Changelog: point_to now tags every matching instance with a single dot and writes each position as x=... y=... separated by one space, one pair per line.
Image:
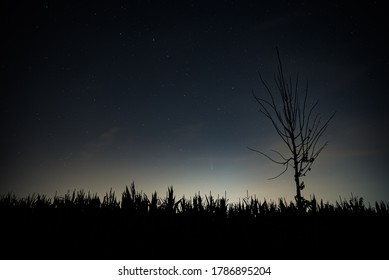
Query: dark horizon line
x=131 y=195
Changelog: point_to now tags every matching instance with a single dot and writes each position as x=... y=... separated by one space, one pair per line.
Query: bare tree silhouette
x=296 y=124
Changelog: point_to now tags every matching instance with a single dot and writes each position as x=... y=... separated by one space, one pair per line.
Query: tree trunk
x=298 y=187
x=298 y=191
x=296 y=174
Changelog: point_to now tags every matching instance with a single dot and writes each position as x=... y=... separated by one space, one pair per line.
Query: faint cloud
x=284 y=19
x=357 y=136
x=101 y=143
x=107 y=138
x=188 y=132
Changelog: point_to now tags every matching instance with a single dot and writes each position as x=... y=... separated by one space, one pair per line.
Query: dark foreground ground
x=119 y=234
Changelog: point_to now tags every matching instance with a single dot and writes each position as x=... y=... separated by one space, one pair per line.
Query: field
x=80 y=225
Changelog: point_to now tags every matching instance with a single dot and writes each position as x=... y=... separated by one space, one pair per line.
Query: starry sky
x=97 y=94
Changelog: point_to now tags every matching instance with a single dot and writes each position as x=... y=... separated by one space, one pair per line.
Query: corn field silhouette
x=80 y=225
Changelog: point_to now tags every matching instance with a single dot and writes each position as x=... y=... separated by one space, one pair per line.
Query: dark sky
x=97 y=94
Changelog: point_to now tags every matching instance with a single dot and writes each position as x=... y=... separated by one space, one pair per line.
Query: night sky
x=97 y=94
